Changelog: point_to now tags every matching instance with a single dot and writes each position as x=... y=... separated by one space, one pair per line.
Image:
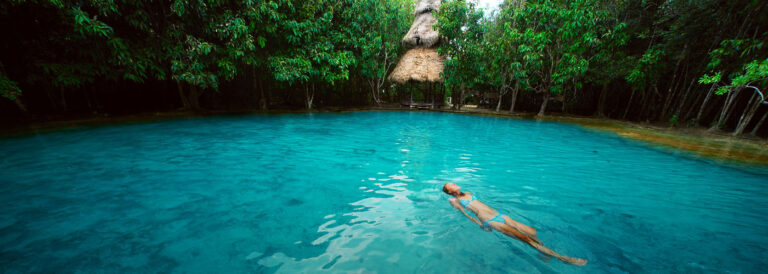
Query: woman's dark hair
x=446 y=190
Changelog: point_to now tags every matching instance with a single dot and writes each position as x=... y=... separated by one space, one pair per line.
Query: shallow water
x=361 y=192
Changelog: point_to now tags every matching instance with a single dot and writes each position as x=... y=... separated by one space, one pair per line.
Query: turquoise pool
x=361 y=192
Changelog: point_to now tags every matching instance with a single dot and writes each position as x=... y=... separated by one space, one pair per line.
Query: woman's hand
x=485 y=228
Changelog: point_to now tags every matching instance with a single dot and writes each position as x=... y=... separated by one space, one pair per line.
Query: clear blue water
x=361 y=192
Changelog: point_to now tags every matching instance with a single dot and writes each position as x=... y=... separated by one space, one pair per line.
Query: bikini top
x=465 y=203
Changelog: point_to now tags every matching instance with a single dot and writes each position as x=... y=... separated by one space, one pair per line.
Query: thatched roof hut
x=421 y=33
x=422 y=63
x=426 y=6
x=418 y=64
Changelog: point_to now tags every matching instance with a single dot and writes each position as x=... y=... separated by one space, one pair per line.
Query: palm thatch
x=424 y=6
x=418 y=64
x=421 y=33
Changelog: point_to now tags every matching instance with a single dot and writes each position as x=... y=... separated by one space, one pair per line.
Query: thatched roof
x=418 y=64
x=424 y=6
x=421 y=33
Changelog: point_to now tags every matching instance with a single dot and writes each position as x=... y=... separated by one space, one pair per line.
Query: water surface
x=361 y=192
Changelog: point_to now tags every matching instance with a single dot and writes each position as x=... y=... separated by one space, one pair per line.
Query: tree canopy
x=679 y=63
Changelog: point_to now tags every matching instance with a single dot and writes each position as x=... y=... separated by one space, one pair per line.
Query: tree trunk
x=513 y=100
x=671 y=90
x=724 y=111
x=502 y=91
x=645 y=109
x=182 y=96
x=63 y=100
x=461 y=98
x=759 y=123
x=432 y=92
x=373 y=83
x=310 y=95
x=194 y=97
x=259 y=84
x=429 y=92
x=543 y=107
x=601 y=101
x=682 y=101
x=629 y=105
x=264 y=97
x=20 y=105
x=692 y=107
x=54 y=105
x=704 y=104
x=746 y=115
x=87 y=93
x=373 y=96
x=730 y=109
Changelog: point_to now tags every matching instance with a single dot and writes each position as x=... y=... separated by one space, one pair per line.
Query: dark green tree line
x=683 y=63
x=680 y=63
x=66 y=51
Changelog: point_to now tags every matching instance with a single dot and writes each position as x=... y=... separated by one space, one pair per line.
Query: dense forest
x=680 y=63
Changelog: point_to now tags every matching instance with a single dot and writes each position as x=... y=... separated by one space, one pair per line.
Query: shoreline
x=722 y=148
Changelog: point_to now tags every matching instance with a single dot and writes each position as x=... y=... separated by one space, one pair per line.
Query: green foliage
x=710 y=79
x=460 y=23
x=557 y=40
x=730 y=48
x=753 y=73
x=344 y=46
x=313 y=54
x=647 y=68
x=673 y=120
x=374 y=33
x=9 y=89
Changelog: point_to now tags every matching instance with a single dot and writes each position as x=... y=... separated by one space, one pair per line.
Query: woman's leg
x=514 y=233
x=527 y=230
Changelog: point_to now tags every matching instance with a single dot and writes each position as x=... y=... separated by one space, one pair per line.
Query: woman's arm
x=472 y=218
x=455 y=203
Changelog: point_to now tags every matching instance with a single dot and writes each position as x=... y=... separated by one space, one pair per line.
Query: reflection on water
x=360 y=192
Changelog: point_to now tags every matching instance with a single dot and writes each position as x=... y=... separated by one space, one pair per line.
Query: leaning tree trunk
x=759 y=123
x=513 y=100
x=724 y=112
x=732 y=108
x=747 y=117
x=20 y=105
x=671 y=90
x=704 y=104
x=543 y=107
x=683 y=101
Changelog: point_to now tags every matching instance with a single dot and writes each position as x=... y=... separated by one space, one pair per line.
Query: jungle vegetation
x=694 y=63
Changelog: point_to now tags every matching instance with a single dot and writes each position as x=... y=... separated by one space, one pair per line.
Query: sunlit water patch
x=361 y=192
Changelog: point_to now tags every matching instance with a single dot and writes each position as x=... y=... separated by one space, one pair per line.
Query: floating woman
x=490 y=218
